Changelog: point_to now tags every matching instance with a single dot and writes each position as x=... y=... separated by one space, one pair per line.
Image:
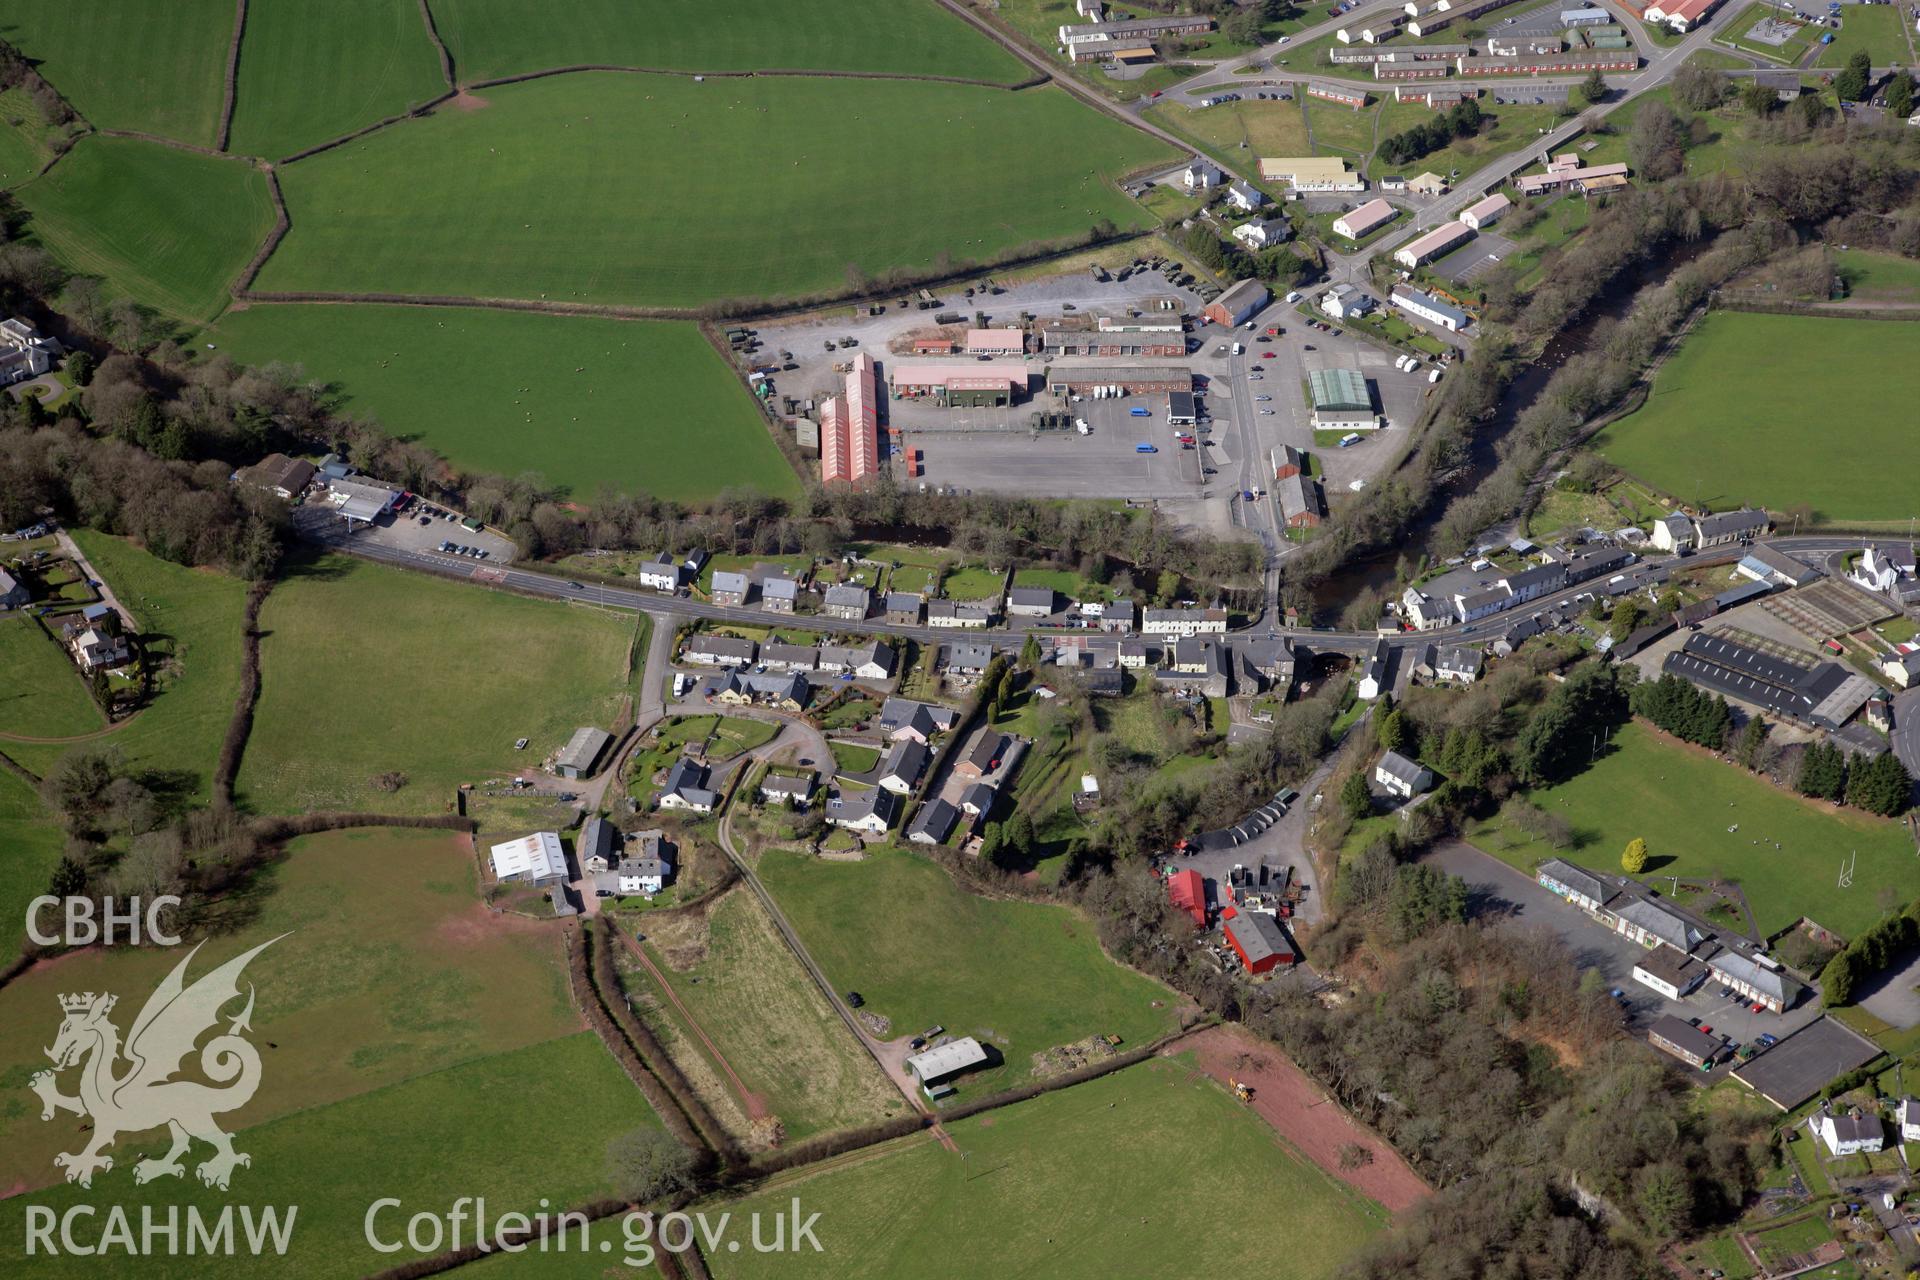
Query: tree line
x=1436 y=134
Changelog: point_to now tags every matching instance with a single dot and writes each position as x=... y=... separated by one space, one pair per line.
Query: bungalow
x=787 y=692
x=1483 y=213
x=793 y=791
x=537 y=859
x=663 y=573
x=686 y=787
x=903 y=608
x=968 y=659
x=708 y=650
x=779 y=594
x=866 y=809
x=731 y=589
x=903 y=718
x=977 y=800
x=982 y=755
x=904 y=763
x=1358 y=223
x=1032 y=602
x=777 y=655
x=949 y=613
x=934 y=823
x=870 y=661
x=1399 y=776
x=1437 y=243
x=848 y=602
x=1419 y=303
x=1849 y=1134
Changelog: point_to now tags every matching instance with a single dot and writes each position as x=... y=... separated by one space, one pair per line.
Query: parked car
x=855 y=999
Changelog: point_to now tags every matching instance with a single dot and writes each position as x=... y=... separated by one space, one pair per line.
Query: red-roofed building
x=1187 y=891
x=1257 y=939
x=850 y=427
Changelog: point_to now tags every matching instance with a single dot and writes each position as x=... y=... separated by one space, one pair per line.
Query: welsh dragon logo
x=145 y=1094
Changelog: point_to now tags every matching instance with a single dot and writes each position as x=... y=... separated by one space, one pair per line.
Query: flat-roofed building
x=1080 y=379
x=1682 y=1040
x=996 y=342
x=961 y=385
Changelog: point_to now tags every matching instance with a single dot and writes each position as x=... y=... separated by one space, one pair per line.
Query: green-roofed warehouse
x=1341 y=401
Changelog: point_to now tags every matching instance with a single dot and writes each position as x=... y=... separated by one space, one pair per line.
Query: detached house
x=779 y=595
x=731 y=589
x=870 y=661
x=1399 y=776
x=903 y=718
x=868 y=810
x=1849 y=1134
x=934 y=823
x=904 y=763
x=663 y=573
x=687 y=789
x=708 y=650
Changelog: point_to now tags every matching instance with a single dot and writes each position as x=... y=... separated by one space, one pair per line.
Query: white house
x=1262 y=232
x=1245 y=197
x=662 y=573
x=1884 y=566
x=904 y=764
x=1200 y=175
x=536 y=859
x=1673 y=532
x=1169 y=624
x=23 y=352
x=1909 y=1119
x=1396 y=775
x=1373 y=675
x=1850 y=1134
x=1344 y=302
x=868 y=810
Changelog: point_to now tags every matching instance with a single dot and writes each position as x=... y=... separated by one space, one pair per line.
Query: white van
x=1080 y=424
x=1238 y=349
x=1351 y=438
x=1400 y=362
x=1434 y=376
x=1293 y=295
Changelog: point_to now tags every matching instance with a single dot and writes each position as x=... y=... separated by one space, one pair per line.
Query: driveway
x=79 y=557
x=1892 y=997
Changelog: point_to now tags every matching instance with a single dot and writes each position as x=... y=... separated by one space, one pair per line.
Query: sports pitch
x=311 y=72
x=366 y=670
x=662 y=191
x=490 y=38
x=1687 y=807
x=1750 y=410
x=1130 y=1174
x=169 y=228
x=645 y=407
x=1020 y=976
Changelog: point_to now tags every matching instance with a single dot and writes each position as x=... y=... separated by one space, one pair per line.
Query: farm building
x=996 y=342
x=582 y=752
x=1258 y=940
x=970 y=385
x=1081 y=379
x=1235 y=306
x=1095 y=40
x=1357 y=224
x=1486 y=211
x=934 y=1067
x=537 y=859
x=1341 y=400
x=1682 y=1040
x=1439 y=242
x=1301 y=505
x=1188 y=893
x=1312 y=173
x=850 y=427
x=1430 y=308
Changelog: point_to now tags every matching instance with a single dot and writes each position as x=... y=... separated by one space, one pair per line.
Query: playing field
x=191 y=618
x=1747 y=399
x=367 y=670
x=658 y=190
x=771 y=1024
x=643 y=407
x=1132 y=1174
x=312 y=72
x=1700 y=817
x=921 y=950
x=389 y=969
x=467 y=1130
x=132 y=64
x=1879 y=29
x=168 y=228
x=491 y=38
x=43 y=696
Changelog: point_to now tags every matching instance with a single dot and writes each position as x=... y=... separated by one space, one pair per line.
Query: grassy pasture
x=771 y=1022
x=1682 y=804
x=366 y=669
x=30 y=845
x=467 y=1130
x=1879 y=277
x=896 y=928
x=1150 y=1160
x=390 y=969
x=132 y=64
x=312 y=72
x=491 y=38
x=43 y=696
x=191 y=619
x=168 y=228
x=1747 y=398
x=23 y=138
x=605 y=187
x=584 y=401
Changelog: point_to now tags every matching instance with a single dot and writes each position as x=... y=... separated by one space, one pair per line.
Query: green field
x=43 y=696
x=1338 y=128
x=1267 y=129
x=23 y=138
x=389 y=969
x=583 y=401
x=1683 y=804
x=312 y=72
x=1503 y=130
x=922 y=950
x=30 y=846
x=1140 y=1173
x=491 y=38
x=168 y=228
x=771 y=1022
x=1788 y=54
x=1879 y=29
x=1747 y=399
x=191 y=618
x=132 y=64
x=1879 y=277
x=604 y=187
x=366 y=670
x=479 y=1128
